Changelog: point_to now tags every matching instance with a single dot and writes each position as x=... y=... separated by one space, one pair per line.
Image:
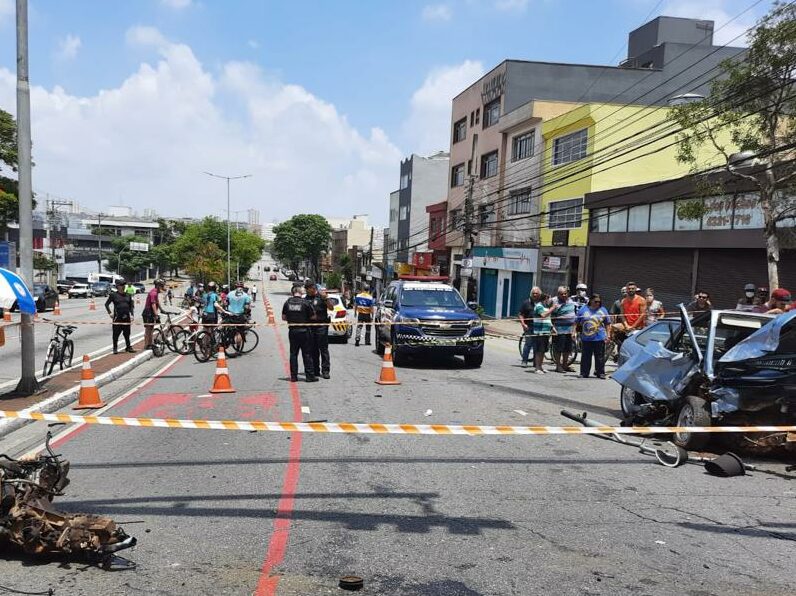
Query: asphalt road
x=225 y=512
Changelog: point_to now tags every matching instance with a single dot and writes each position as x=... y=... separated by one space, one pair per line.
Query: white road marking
x=521 y=412
x=305 y=409
x=205 y=395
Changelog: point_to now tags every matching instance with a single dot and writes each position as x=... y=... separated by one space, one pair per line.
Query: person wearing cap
x=780 y=302
x=151 y=313
x=749 y=299
x=122 y=315
x=364 y=305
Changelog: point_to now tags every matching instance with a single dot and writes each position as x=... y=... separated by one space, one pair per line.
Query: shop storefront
x=504 y=278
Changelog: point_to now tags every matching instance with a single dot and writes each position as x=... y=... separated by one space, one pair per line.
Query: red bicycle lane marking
x=277 y=545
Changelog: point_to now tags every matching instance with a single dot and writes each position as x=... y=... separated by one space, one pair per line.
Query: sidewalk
x=510 y=328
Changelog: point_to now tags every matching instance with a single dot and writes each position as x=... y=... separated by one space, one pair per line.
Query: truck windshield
x=432 y=298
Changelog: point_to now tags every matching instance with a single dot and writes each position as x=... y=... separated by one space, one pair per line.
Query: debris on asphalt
x=28 y=519
x=726 y=466
x=428 y=413
x=351 y=583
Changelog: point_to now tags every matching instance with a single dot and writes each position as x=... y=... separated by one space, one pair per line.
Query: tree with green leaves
x=346 y=268
x=748 y=120
x=41 y=262
x=208 y=264
x=9 y=195
x=124 y=261
x=304 y=237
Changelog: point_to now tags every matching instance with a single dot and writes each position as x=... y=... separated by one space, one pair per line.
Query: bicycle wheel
x=172 y=338
x=158 y=343
x=203 y=346
x=66 y=354
x=185 y=342
x=250 y=341
x=49 y=361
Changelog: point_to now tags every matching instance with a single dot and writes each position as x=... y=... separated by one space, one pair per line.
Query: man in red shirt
x=151 y=311
x=634 y=309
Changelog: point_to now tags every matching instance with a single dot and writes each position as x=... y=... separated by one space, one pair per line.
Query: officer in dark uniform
x=298 y=312
x=319 y=334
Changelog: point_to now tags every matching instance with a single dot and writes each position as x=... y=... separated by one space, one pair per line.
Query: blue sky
x=373 y=77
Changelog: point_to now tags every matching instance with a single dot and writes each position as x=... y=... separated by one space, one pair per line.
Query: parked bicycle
x=168 y=335
x=240 y=337
x=60 y=350
x=576 y=349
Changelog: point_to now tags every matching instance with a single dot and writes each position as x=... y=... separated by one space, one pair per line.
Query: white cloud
x=145 y=36
x=437 y=12
x=147 y=141
x=512 y=5
x=427 y=128
x=719 y=11
x=68 y=47
x=7 y=10
x=176 y=4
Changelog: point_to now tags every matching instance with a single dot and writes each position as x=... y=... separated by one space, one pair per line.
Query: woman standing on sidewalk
x=593 y=320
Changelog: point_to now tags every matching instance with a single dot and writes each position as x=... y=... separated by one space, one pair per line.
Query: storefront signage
x=508 y=259
x=551 y=263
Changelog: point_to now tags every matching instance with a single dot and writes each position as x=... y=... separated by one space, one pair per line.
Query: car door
x=387 y=312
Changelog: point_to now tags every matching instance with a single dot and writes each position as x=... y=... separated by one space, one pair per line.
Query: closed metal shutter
x=666 y=270
x=723 y=272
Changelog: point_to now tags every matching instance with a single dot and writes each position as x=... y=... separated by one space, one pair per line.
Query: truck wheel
x=693 y=412
x=474 y=360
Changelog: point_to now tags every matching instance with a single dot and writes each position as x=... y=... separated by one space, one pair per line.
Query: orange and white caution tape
x=385 y=429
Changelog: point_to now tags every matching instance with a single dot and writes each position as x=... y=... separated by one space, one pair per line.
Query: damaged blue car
x=722 y=367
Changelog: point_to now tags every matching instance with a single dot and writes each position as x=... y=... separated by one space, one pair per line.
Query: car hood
x=764 y=341
x=438 y=314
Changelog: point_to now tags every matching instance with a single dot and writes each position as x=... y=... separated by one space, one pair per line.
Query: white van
x=108 y=277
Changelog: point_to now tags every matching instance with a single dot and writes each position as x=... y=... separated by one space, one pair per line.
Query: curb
x=60 y=400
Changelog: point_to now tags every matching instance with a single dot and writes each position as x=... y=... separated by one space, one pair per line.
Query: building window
x=404 y=181
x=457 y=175
x=486 y=214
x=489 y=164
x=492 y=113
x=477 y=115
x=682 y=224
x=522 y=146
x=638 y=219
x=617 y=219
x=571 y=147
x=472 y=119
x=455 y=216
x=460 y=130
x=565 y=214
x=661 y=216
x=520 y=201
x=599 y=220
x=404 y=212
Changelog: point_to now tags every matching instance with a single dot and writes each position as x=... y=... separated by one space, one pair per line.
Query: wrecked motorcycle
x=721 y=368
x=28 y=519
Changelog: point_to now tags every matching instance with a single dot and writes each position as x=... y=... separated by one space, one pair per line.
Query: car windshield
x=333 y=300
x=39 y=288
x=433 y=298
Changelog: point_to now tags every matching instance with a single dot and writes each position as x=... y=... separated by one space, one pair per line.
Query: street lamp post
x=229 y=258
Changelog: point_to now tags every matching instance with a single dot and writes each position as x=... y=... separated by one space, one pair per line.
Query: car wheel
x=629 y=401
x=694 y=411
x=474 y=360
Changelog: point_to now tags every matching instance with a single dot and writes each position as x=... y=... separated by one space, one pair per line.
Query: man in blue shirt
x=239 y=301
x=563 y=315
x=210 y=305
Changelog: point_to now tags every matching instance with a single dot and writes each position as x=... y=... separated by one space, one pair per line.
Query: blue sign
x=8 y=255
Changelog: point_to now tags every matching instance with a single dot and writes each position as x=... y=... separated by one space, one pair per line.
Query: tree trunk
x=772 y=241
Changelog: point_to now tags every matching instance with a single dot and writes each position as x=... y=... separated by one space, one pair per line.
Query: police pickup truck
x=425 y=315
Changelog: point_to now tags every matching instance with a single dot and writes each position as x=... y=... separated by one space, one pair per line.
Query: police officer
x=319 y=334
x=298 y=312
x=364 y=306
x=122 y=315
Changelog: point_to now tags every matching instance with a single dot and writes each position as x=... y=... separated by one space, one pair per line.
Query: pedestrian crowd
x=558 y=323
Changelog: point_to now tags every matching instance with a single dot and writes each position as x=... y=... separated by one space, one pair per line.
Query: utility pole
x=27 y=382
x=53 y=219
x=99 y=243
x=229 y=252
x=468 y=239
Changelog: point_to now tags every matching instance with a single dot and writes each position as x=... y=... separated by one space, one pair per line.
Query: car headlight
x=409 y=321
x=475 y=324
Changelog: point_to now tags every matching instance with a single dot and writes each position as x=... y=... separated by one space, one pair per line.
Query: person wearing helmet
x=749 y=299
x=581 y=297
x=151 y=312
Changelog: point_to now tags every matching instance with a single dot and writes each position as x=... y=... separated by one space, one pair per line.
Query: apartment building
x=497 y=144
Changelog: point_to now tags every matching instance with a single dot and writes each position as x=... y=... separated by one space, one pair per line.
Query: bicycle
x=168 y=335
x=207 y=342
x=60 y=350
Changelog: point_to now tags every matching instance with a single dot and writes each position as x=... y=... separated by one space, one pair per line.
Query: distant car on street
x=101 y=288
x=81 y=291
x=341 y=327
x=139 y=288
x=44 y=296
x=63 y=285
x=272 y=277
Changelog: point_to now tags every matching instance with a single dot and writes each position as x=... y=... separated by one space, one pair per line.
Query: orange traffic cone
x=89 y=394
x=57 y=309
x=91 y=305
x=387 y=375
x=271 y=319
x=7 y=315
x=221 y=382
